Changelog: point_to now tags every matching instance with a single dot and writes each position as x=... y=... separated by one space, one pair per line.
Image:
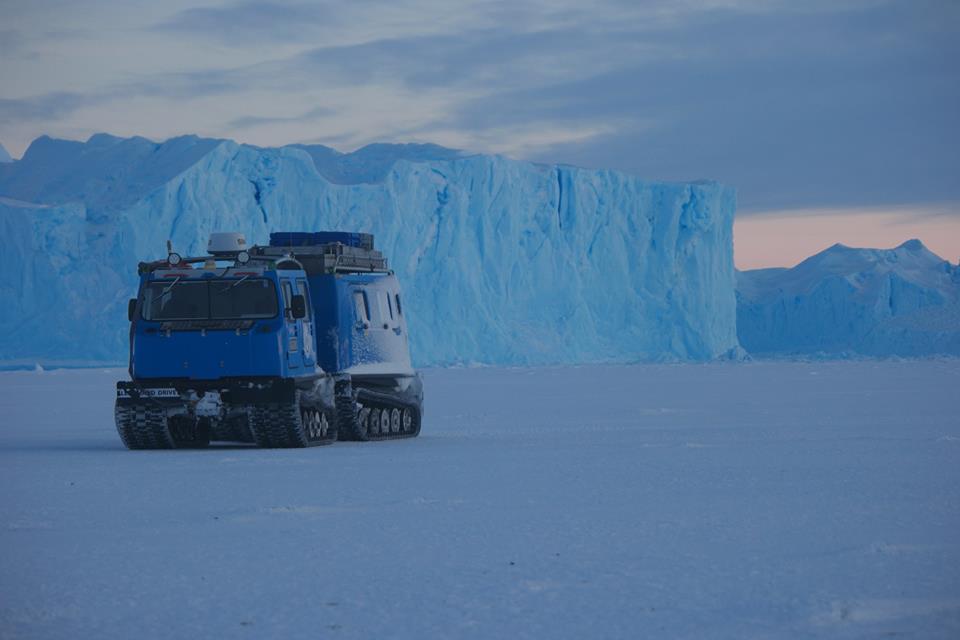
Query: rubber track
x=349 y=422
x=277 y=425
x=143 y=427
x=393 y=436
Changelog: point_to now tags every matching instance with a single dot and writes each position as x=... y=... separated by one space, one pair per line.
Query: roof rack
x=317 y=251
x=292 y=239
x=330 y=257
x=182 y=263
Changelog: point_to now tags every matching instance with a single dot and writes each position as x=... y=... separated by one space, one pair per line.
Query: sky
x=840 y=116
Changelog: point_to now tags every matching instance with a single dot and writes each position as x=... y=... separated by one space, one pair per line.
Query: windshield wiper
x=225 y=289
x=167 y=289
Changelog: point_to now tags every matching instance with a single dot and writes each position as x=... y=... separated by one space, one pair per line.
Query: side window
x=376 y=309
x=386 y=294
x=303 y=291
x=360 y=306
x=287 y=295
x=399 y=308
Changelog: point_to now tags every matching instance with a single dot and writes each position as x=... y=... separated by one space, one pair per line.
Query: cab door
x=306 y=327
x=293 y=326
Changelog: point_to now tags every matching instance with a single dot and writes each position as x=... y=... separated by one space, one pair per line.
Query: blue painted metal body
x=277 y=347
x=360 y=324
x=354 y=325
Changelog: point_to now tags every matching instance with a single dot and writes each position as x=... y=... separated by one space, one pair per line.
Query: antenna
x=169 y=246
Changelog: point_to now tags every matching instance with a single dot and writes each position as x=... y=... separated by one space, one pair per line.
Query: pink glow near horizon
x=785 y=238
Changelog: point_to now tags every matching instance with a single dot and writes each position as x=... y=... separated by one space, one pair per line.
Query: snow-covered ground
x=670 y=501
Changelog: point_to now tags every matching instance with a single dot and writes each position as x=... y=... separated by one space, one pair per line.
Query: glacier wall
x=501 y=261
x=844 y=301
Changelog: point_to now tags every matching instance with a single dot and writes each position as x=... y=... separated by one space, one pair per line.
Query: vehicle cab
x=223 y=347
x=200 y=320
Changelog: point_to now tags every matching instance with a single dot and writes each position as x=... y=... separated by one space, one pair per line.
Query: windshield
x=246 y=298
x=243 y=298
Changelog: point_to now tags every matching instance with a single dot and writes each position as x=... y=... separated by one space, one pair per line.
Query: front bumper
x=232 y=391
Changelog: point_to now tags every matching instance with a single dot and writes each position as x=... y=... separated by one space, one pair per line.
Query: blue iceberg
x=845 y=301
x=503 y=262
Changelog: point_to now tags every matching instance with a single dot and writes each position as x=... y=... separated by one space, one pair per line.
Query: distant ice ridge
x=844 y=301
x=502 y=261
x=4 y=156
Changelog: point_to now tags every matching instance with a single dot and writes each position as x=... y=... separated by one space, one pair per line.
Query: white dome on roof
x=226 y=243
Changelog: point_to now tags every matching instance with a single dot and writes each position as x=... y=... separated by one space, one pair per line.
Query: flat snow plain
x=673 y=501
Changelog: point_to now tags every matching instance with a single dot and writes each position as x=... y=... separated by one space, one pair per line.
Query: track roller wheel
x=384 y=421
x=395 y=421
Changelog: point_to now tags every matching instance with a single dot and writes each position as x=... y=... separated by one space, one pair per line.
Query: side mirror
x=298 y=307
x=131 y=309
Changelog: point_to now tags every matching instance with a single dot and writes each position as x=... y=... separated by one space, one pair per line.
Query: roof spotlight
x=243 y=257
x=173 y=259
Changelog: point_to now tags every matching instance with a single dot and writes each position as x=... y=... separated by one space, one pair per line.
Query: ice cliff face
x=502 y=262
x=903 y=301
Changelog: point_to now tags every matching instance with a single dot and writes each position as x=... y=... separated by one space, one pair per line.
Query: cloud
x=897 y=213
x=48 y=106
x=246 y=122
x=11 y=40
x=797 y=104
x=241 y=21
x=184 y=85
x=796 y=110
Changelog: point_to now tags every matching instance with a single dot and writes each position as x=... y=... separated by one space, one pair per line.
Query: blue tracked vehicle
x=292 y=344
